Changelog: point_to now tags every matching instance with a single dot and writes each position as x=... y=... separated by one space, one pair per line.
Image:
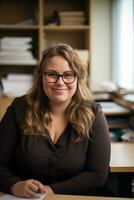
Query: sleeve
x=8 y=142
x=96 y=169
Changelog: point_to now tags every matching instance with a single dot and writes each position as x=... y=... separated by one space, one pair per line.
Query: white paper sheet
x=12 y=197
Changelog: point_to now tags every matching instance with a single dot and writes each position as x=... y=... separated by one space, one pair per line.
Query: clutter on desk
x=122 y=135
x=112 y=108
x=119 y=116
x=103 y=91
x=124 y=98
x=128 y=135
x=115 y=135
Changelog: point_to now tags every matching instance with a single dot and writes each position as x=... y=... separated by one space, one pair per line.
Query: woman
x=55 y=139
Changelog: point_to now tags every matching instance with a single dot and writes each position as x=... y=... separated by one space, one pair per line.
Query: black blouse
x=68 y=167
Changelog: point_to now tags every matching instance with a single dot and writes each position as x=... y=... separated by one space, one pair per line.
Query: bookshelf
x=27 y=19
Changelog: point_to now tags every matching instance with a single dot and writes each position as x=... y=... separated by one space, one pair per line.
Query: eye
x=51 y=74
x=69 y=75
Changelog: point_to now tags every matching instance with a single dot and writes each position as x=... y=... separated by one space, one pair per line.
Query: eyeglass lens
x=52 y=77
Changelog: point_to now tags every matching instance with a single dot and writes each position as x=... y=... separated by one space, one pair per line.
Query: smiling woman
x=60 y=82
x=58 y=138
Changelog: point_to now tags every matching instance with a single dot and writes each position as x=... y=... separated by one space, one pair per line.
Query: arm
x=8 y=141
x=97 y=165
x=9 y=132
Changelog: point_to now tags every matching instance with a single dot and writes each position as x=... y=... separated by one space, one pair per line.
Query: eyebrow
x=58 y=72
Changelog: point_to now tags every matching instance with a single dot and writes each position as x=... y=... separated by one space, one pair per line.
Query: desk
x=122 y=168
x=70 y=197
x=122 y=157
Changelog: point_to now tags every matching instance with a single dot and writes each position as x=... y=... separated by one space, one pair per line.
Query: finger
x=39 y=185
x=34 y=187
x=29 y=193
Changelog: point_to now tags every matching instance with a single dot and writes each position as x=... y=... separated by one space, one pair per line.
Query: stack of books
x=71 y=18
x=16 y=50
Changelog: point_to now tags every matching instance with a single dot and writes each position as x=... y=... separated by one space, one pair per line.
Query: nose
x=60 y=80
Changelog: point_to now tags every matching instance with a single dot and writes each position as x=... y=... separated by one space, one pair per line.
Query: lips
x=59 y=91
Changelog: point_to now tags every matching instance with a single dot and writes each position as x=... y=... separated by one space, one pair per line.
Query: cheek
x=74 y=88
x=46 y=86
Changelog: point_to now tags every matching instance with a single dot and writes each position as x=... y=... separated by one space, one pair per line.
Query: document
x=12 y=197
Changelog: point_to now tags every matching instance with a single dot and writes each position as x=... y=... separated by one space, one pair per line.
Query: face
x=59 y=91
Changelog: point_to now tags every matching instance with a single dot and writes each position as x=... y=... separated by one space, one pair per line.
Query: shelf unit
x=36 y=11
x=118 y=119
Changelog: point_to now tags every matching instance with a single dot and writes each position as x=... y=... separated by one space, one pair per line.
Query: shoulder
x=19 y=106
x=19 y=102
x=100 y=119
x=16 y=111
x=96 y=108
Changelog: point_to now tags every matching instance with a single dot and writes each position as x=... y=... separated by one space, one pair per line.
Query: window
x=123 y=43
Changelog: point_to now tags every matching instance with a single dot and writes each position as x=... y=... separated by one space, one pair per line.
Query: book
x=71 y=18
x=71 y=13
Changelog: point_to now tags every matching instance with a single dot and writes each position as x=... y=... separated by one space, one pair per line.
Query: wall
x=100 y=69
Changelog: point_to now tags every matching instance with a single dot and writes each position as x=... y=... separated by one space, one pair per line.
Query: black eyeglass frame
x=58 y=76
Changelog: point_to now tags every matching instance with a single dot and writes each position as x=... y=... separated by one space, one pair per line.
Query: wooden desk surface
x=74 y=197
x=122 y=157
x=70 y=197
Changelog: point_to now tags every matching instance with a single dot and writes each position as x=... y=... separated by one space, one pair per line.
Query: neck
x=58 y=109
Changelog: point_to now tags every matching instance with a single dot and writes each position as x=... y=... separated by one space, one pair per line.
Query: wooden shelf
x=61 y=27
x=25 y=27
x=15 y=15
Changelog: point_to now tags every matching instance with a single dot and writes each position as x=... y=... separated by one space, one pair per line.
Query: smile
x=59 y=89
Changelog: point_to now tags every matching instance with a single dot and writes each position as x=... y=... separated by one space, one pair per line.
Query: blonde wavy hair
x=78 y=112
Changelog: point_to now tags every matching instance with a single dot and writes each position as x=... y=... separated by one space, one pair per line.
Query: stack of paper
x=16 y=50
x=16 y=84
x=71 y=17
x=12 y=197
x=112 y=108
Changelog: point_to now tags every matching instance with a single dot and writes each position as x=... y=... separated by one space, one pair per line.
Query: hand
x=48 y=190
x=27 y=188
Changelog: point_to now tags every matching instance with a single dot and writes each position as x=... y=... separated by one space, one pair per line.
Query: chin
x=61 y=100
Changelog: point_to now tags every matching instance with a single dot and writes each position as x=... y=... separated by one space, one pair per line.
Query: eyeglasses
x=53 y=77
